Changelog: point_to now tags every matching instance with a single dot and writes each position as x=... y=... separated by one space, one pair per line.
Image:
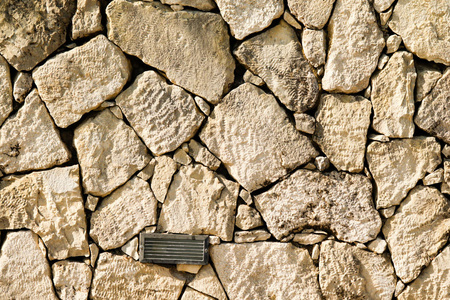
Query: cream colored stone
x=434 y=178
x=399 y=288
x=276 y=56
x=203 y=105
x=246 y=197
x=93 y=249
x=191 y=294
x=248 y=218
x=308 y=238
x=192 y=48
x=206 y=281
x=202 y=155
x=378 y=137
x=72 y=280
x=315 y=252
x=385 y=16
x=23 y=83
x=165 y=167
x=382 y=61
x=447 y=171
x=393 y=43
x=314 y=44
x=313 y=14
x=355 y=46
x=131 y=248
x=6 y=91
x=199 y=202
x=322 y=163
x=291 y=20
x=147 y=172
x=305 y=123
x=87 y=19
x=181 y=157
x=193 y=269
x=214 y=240
x=427 y=77
x=399 y=164
x=250 y=133
x=116 y=112
x=109 y=153
x=205 y=5
x=251 y=236
x=419 y=228
x=387 y=212
x=253 y=79
x=266 y=270
x=382 y=5
x=368 y=92
x=91 y=202
x=378 y=245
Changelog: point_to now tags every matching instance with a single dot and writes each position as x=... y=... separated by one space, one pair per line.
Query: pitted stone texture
x=424 y=28
x=109 y=153
x=346 y=272
x=314 y=44
x=123 y=214
x=165 y=167
x=72 y=280
x=340 y=202
x=163 y=115
x=206 y=281
x=382 y=5
x=24 y=269
x=427 y=77
x=6 y=92
x=419 y=228
x=202 y=155
x=191 y=294
x=249 y=16
x=29 y=140
x=23 y=83
x=398 y=165
x=120 y=277
x=50 y=204
x=276 y=56
x=266 y=270
x=205 y=5
x=313 y=14
x=393 y=100
x=87 y=19
x=393 y=43
x=250 y=133
x=433 y=114
x=248 y=218
x=341 y=130
x=200 y=202
x=31 y=30
x=251 y=236
x=192 y=48
x=356 y=43
x=77 y=81
x=305 y=123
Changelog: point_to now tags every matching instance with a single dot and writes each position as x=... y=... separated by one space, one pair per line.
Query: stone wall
x=309 y=139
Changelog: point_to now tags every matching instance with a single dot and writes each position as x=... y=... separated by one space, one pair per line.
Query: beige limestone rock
x=248 y=218
x=120 y=277
x=341 y=130
x=193 y=269
x=206 y=281
x=289 y=18
x=314 y=44
x=398 y=165
x=31 y=30
x=24 y=269
x=203 y=105
x=322 y=163
x=87 y=19
x=276 y=56
x=313 y=14
x=337 y=201
x=315 y=252
x=419 y=228
x=191 y=294
x=6 y=91
x=305 y=123
x=433 y=116
x=387 y=212
x=355 y=46
x=163 y=115
x=29 y=140
x=393 y=100
x=205 y=5
x=393 y=43
x=251 y=236
x=109 y=153
x=308 y=238
x=23 y=83
x=192 y=48
x=266 y=270
x=123 y=214
x=91 y=202
x=253 y=79
x=382 y=5
x=214 y=240
x=202 y=155
x=378 y=137
x=72 y=279
x=424 y=28
x=250 y=133
x=165 y=167
x=246 y=196
x=446 y=150
x=346 y=272
x=378 y=245
x=50 y=204
x=399 y=288
x=147 y=172
x=434 y=178
x=93 y=249
x=385 y=16
x=131 y=248
x=382 y=61
x=427 y=77
x=181 y=157
x=200 y=202
x=77 y=81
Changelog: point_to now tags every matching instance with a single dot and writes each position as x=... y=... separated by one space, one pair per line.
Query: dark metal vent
x=173 y=248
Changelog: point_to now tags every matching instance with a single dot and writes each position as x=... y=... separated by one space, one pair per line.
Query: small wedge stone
x=205 y=5
x=87 y=19
x=393 y=43
x=253 y=79
x=313 y=14
x=248 y=218
x=378 y=245
x=91 y=202
x=131 y=248
x=165 y=167
x=251 y=236
x=206 y=281
x=202 y=155
x=427 y=77
x=23 y=83
x=181 y=157
x=305 y=123
x=434 y=178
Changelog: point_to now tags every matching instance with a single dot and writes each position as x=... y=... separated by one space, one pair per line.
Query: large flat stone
x=6 y=91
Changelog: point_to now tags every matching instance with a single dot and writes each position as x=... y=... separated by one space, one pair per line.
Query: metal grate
x=173 y=248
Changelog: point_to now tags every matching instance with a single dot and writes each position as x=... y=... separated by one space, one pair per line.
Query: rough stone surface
x=87 y=19
x=305 y=123
x=382 y=5
x=206 y=281
x=165 y=167
x=314 y=44
x=193 y=269
x=23 y=83
x=346 y=272
x=203 y=105
x=91 y=202
x=6 y=92
x=276 y=56
x=355 y=45
x=393 y=100
x=181 y=157
x=77 y=81
x=109 y=153
x=72 y=280
x=385 y=16
x=313 y=14
x=250 y=133
x=253 y=79
x=205 y=5
x=163 y=115
x=322 y=163
x=378 y=245
x=202 y=155
x=343 y=139
x=291 y=20
x=266 y=271
x=147 y=172
x=200 y=202
x=93 y=249
x=123 y=214
x=308 y=238
x=191 y=294
x=382 y=61
x=393 y=43
x=120 y=277
x=427 y=77
x=192 y=48
x=434 y=178
x=31 y=30
x=399 y=164
x=251 y=236
x=399 y=288
x=248 y=218
x=131 y=248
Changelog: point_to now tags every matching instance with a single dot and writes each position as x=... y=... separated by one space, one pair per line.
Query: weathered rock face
x=424 y=28
x=398 y=165
x=200 y=202
x=165 y=167
x=120 y=277
x=276 y=56
x=419 y=228
x=123 y=214
x=31 y=30
x=192 y=48
x=202 y=155
x=248 y=16
x=433 y=115
x=313 y=14
x=339 y=202
x=248 y=218
x=87 y=19
x=191 y=294
x=5 y=90
x=163 y=115
x=355 y=45
x=250 y=133
x=23 y=83
x=382 y=5
x=427 y=77
x=206 y=281
x=77 y=81
x=314 y=44
x=205 y=5
x=72 y=280
x=341 y=130
x=24 y=270
x=251 y=236
x=50 y=204
x=109 y=153
x=393 y=100
x=266 y=271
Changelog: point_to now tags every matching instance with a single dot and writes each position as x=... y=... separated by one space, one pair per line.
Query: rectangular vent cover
x=173 y=248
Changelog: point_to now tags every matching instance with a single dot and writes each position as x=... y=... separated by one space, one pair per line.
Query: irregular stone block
x=205 y=5
x=313 y=14
x=165 y=167
x=382 y=5
x=393 y=43
x=6 y=104
x=251 y=236
x=87 y=19
x=23 y=83
x=427 y=77
x=72 y=280
x=314 y=44
x=248 y=218
x=206 y=281
x=202 y=155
